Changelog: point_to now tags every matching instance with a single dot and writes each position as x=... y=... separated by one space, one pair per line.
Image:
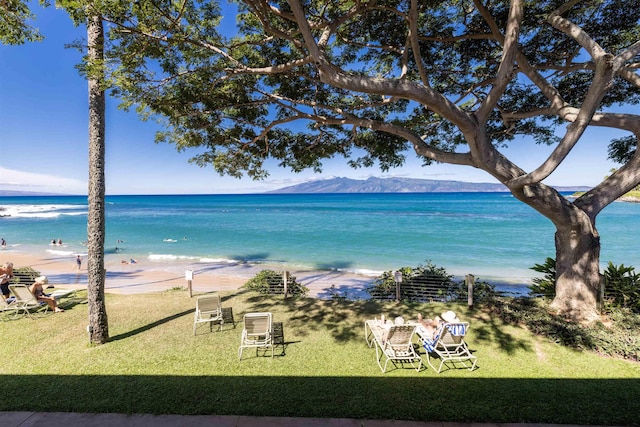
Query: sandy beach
x=146 y=276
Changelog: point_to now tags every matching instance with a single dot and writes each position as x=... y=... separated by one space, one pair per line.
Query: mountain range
x=399 y=185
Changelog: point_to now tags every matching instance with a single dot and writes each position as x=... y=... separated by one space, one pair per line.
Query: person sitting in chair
x=6 y=274
x=38 y=291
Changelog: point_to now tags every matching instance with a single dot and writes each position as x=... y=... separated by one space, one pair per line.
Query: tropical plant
x=544 y=286
x=622 y=287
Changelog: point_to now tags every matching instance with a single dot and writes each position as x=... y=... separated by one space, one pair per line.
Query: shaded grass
x=154 y=364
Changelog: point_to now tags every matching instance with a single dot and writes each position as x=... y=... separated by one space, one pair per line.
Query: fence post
x=470 y=280
x=397 y=277
x=285 y=279
x=188 y=275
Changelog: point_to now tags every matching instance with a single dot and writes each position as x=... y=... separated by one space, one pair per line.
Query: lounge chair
x=257 y=332
x=26 y=301
x=394 y=343
x=449 y=346
x=208 y=310
x=8 y=307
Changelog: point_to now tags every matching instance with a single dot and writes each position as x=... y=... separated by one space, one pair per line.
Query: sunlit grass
x=154 y=364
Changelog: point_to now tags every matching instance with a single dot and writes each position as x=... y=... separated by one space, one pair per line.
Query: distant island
x=400 y=185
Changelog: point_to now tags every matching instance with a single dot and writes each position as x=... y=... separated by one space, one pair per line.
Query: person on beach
x=38 y=291
x=79 y=262
x=6 y=274
x=4 y=243
x=430 y=325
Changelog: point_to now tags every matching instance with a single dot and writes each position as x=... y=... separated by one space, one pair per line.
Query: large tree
x=453 y=81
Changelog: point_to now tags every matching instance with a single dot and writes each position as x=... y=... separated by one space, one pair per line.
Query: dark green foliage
x=620 y=338
x=545 y=286
x=269 y=282
x=425 y=283
x=622 y=287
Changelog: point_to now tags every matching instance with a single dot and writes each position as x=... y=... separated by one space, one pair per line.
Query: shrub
x=545 y=286
x=622 y=287
x=426 y=283
x=269 y=282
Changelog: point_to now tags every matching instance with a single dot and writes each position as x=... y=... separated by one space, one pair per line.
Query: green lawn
x=154 y=364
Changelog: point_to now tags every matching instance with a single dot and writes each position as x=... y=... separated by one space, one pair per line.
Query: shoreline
x=156 y=276
x=149 y=276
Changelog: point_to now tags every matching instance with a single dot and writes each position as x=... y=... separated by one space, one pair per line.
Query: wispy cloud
x=15 y=180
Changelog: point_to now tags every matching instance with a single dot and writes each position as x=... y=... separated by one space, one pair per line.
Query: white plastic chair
x=208 y=310
x=257 y=332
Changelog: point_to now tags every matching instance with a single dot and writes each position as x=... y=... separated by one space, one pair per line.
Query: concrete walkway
x=73 y=419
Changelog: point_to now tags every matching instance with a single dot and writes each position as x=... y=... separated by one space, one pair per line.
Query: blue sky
x=43 y=137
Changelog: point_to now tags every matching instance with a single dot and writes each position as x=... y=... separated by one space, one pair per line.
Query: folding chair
x=208 y=310
x=395 y=344
x=26 y=301
x=449 y=346
x=257 y=332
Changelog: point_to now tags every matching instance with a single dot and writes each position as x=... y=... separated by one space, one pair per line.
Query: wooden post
x=285 y=279
x=397 y=277
x=470 y=280
x=188 y=275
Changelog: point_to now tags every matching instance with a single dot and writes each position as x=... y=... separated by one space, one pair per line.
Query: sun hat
x=449 y=317
x=42 y=279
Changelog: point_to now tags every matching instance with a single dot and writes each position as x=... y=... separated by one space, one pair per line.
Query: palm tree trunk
x=98 y=325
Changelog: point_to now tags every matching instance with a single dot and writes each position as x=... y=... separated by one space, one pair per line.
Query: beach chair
x=208 y=310
x=448 y=345
x=257 y=332
x=395 y=344
x=26 y=301
x=8 y=308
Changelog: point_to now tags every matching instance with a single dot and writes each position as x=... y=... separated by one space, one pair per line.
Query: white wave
x=169 y=257
x=41 y=211
x=59 y=252
x=169 y=240
x=218 y=260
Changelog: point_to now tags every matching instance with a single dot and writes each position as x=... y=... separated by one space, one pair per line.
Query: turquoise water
x=491 y=235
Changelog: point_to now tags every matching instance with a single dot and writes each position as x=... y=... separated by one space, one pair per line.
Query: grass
x=154 y=364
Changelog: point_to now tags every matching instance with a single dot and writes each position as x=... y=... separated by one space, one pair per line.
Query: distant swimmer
x=59 y=241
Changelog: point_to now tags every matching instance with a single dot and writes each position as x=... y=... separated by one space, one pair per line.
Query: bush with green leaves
x=622 y=287
x=426 y=283
x=544 y=286
x=270 y=282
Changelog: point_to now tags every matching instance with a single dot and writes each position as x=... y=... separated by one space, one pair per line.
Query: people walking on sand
x=79 y=262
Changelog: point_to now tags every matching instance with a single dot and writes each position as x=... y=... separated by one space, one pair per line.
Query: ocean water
x=490 y=235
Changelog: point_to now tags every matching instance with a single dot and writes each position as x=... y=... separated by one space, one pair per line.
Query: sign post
x=188 y=275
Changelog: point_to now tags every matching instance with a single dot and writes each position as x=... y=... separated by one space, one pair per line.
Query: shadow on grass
x=151 y=325
x=560 y=401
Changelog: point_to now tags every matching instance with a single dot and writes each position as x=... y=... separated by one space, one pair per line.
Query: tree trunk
x=99 y=328
x=577 y=271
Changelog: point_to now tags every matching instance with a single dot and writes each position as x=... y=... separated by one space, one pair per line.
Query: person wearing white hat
x=449 y=317
x=38 y=291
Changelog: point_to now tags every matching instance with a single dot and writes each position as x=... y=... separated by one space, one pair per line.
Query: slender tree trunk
x=577 y=271
x=99 y=328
